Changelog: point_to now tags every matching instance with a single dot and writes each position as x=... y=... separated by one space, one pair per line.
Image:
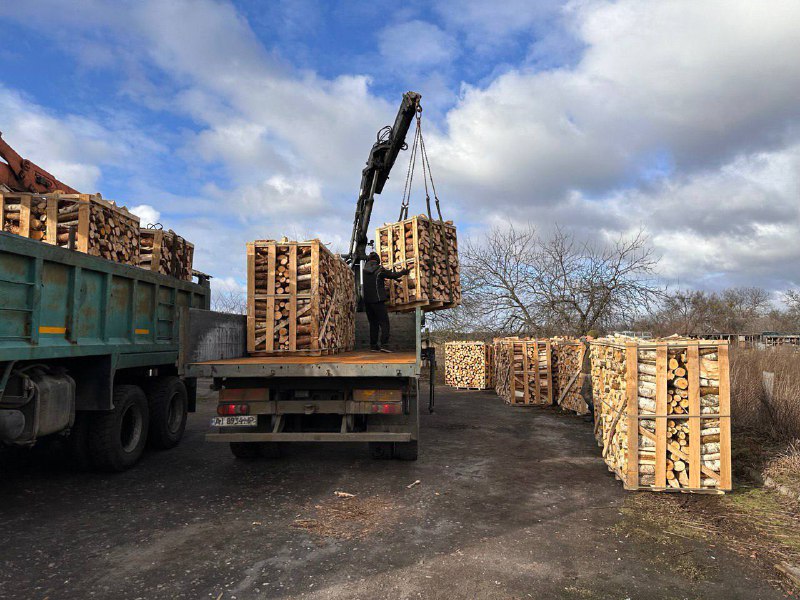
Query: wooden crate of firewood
x=502 y=367
x=165 y=252
x=300 y=299
x=97 y=226
x=429 y=249
x=662 y=412
x=525 y=369
x=567 y=363
x=469 y=365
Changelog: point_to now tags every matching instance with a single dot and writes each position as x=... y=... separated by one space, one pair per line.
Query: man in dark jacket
x=374 y=277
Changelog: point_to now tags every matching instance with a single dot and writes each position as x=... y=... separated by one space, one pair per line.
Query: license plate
x=249 y=421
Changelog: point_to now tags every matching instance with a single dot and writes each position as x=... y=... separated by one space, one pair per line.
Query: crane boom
x=382 y=156
x=21 y=175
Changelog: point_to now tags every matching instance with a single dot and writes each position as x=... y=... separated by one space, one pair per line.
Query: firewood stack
x=101 y=228
x=469 y=365
x=25 y=215
x=567 y=363
x=524 y=372
x=418 y=244
x=502 y=367
x=662 y=410
x=300 y=299
x=165 y=252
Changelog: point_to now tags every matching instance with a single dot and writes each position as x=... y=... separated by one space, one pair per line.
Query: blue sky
x=230 y=121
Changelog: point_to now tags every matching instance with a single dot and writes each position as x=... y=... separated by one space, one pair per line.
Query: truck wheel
x=380 y=450
x=246 y=450
x=168 y=404
x=117 y=438
x=406 y=450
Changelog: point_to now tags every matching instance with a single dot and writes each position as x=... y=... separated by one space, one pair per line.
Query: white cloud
x=147 y=214
x=415 y=44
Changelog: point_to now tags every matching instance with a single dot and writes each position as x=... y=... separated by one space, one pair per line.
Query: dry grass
x=347 y=518
x=751 y=406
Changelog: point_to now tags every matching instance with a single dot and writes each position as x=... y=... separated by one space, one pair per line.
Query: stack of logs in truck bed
x=98 y=227
x=429 y=250
x=165 y=252
x=300 y=299
x=662 y=412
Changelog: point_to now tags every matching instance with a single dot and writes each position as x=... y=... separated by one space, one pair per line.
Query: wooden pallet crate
x=524 y=366
x=429 y=249
x=567 y=364
x=100 y=227
x=165 y=252
x=300 y=299
x=469 y=365
x=502 y=367
x=662 y=412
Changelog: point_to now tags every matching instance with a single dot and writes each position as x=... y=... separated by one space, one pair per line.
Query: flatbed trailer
x=359 y=396
x=92 y=351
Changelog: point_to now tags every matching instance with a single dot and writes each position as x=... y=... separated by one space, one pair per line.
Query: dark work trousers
x=378 y=318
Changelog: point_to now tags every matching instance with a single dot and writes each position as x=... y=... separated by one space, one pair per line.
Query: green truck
x=92 y=351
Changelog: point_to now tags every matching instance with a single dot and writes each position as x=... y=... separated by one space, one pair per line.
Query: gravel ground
x=512 y=503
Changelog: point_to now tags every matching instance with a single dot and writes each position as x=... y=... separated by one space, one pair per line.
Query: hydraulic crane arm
x=391 y=140
x=21 y=175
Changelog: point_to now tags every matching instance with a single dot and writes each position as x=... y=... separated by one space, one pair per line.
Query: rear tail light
x=227 y=410
x=386 y=408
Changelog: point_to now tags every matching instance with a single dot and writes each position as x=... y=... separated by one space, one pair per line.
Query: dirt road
x=512 y=503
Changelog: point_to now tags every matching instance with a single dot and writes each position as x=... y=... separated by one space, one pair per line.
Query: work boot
x=386 y=350
x=375 y=349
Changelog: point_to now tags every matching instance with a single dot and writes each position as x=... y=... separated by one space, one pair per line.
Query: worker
x=374 y=287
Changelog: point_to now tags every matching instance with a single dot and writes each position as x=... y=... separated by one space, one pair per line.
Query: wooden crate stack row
x=300 y=299
x=526 y=372
x=165 y=252
x=469 y=365
x=101 y=228
x=662 y=412
x=567 y=363
x=429 y=249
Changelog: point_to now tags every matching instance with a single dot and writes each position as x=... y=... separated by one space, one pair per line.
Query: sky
x=229 y=121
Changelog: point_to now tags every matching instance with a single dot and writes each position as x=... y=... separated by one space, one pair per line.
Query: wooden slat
x=661 y=409
x=632 y=400
x=251 y=302
x=293 y=298
x=525 y=370
x=726 y=482
x=51 y=229
x=82 y=235
x=25 y=216
x=693 y=375
x=270 y=321
x=415 y=229
x=315 y=295
x=549 y=375
x=537 y=384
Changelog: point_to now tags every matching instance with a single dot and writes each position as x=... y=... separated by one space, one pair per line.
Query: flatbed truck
x=266 y=402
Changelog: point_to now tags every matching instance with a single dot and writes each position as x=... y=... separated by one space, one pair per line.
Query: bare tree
x=589 y=285
x=229 y=301
x=525 y=284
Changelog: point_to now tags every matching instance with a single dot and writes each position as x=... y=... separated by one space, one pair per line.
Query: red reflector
x=225 y=410
x=387 y=409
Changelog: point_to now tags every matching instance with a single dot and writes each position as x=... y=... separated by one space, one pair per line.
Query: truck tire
x=406 y=450
x=246 y=450
x=380 y=450
x=168 y=403
x=117 y=438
